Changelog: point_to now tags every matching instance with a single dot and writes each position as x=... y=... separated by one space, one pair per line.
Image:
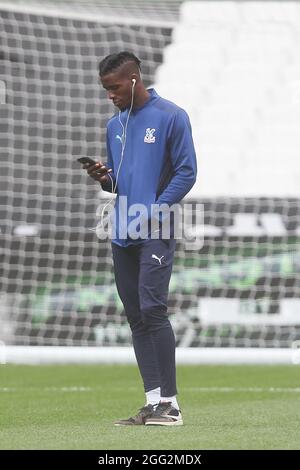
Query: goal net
x=241 y=288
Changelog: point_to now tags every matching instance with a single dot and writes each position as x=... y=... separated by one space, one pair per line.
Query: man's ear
x=134 y=78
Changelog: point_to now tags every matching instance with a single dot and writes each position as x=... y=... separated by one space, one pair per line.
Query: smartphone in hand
x=87 y=160
x=101 y=171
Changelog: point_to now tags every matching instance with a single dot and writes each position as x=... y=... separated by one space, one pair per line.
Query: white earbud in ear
x=133 y=81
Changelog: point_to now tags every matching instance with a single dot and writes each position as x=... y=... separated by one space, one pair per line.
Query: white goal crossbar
x=94 y=16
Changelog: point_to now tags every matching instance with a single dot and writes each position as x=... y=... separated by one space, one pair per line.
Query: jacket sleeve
x=110 y=182
x=183 y=159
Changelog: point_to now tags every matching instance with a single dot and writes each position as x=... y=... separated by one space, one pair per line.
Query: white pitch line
x=186 y=389
x=242 y=389
x=46 y=389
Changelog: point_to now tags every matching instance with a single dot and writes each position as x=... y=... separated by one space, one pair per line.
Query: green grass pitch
x=73 y=407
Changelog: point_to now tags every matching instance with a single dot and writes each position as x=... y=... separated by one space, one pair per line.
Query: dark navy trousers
x=142 y=274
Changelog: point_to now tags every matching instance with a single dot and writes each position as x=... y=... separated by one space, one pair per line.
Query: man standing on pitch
x=151 y=161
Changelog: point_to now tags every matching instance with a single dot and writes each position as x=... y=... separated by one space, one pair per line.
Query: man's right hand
x=98 y=171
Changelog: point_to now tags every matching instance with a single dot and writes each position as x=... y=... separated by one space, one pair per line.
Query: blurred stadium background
x=235 y=67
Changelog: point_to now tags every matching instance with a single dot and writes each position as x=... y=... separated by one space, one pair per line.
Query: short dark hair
x=113 y=61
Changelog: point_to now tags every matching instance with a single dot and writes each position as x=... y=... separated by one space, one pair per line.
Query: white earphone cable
x=124 y=136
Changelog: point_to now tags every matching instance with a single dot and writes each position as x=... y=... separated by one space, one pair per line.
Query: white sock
x=153 y=396
x=173 y=400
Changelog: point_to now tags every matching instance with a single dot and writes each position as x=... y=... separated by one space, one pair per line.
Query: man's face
x=118 y=88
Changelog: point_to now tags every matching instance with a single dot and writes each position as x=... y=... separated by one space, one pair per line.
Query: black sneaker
x=138 y=419
x=165 y=415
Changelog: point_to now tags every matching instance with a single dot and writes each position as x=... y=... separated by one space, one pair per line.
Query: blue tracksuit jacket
x=159 y=162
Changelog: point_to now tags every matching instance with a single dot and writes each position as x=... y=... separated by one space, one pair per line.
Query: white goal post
x=234 y=300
